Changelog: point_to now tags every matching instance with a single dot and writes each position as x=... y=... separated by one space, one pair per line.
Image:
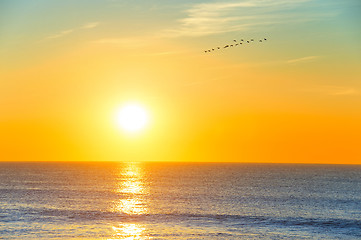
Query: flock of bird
x=235 y=44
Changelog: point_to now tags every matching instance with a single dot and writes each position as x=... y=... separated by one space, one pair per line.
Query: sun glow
x=132 y=117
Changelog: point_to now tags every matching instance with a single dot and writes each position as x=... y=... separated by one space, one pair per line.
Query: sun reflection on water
x=129 y=231
x=131 y=188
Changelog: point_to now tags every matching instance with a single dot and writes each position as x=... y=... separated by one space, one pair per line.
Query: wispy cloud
x=219 y=17
x=163 y=53
x=131 y=42
x=90 y=25
x=110 y=41
x=303 y=59
x=343 y=91
x=334 y=90
x=69 y=31
x=60 y=34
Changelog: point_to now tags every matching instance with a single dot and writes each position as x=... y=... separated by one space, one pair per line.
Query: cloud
x=343 y=91
x=110 y=41
x=90 y=25
x=334 y=90
x=220 y=17
x=127 y=42
x=163 y=53
x=61 y=34
x=69 y=31
x=303 y=59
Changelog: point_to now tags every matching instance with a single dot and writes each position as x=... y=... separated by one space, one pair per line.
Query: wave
x=47 y=214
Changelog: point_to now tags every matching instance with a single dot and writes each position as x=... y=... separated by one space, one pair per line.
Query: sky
x=67 y=67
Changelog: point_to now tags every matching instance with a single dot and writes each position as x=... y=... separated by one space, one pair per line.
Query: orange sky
x=295 y=98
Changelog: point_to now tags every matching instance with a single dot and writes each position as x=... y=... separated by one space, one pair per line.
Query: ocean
x=107 y=200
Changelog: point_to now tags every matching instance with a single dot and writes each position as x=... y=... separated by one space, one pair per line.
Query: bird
x=235 y=43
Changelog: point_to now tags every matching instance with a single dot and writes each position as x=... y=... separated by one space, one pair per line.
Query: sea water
x=91 y=200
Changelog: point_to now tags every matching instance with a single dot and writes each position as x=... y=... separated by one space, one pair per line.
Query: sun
x=132 y=117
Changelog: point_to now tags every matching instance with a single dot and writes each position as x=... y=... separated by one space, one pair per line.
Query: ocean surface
x=179 y=201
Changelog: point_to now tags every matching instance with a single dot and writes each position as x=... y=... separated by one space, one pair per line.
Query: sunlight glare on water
x=132 y=190
x=128 y=231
